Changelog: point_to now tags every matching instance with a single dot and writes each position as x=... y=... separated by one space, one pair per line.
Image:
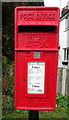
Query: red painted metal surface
x=36 y=30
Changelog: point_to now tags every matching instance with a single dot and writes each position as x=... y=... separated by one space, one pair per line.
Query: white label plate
x=36 y=75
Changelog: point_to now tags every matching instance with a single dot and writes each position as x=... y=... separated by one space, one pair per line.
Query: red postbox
x=36 y=57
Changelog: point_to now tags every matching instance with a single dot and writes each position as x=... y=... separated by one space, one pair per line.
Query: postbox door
x=33 y=99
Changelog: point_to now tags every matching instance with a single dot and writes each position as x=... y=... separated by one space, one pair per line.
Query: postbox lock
x=36 y=54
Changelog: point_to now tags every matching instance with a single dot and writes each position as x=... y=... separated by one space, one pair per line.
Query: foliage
x=58 y=114
x=8 y=30
x=62 y=101
x=7 y=86
x=7 y=75
x=7 y=103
